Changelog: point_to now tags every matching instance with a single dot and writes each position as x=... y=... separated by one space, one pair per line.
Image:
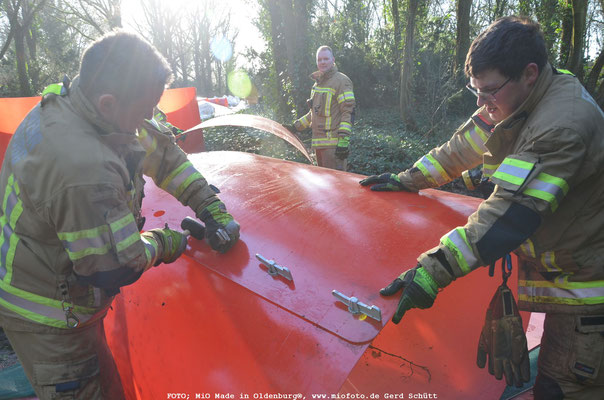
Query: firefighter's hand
x=503 y=341
x=419 y=291
x=222 y=231
x=342 y=149
x=172 y=244
x=385 y=183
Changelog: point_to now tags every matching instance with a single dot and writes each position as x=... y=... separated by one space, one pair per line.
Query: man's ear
x=106 y=105
x=531 y=73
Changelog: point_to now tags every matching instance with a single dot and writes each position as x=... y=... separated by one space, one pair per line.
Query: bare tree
x=407 y=67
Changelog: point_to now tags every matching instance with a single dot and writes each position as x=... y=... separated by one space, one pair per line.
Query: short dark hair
x=324 y=47
x=123 y=64
x=508 y=45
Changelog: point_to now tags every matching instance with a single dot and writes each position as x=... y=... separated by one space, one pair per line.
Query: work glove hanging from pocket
x=503 y=341
x=222 y=231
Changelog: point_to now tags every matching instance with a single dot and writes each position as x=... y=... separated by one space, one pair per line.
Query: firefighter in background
x=72 y=188
x=331 y=112
x=545 y=155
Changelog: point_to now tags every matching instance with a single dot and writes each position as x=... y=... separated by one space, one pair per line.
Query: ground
x=7 y=356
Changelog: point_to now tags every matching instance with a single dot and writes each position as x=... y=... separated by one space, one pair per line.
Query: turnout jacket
x=71 y=190
x=547 y=163
x=331 y=107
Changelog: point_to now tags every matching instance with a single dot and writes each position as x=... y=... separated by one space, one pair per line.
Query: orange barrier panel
x=12 y=112
x=182 y=111
x=219 y=323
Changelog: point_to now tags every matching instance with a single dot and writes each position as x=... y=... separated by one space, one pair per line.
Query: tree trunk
x=279 y=53
x=23 y=76
x=396 y=20
x=407 y=68
x=462 y=41
x=592 y=79
x=567 y=33
x=575 y=58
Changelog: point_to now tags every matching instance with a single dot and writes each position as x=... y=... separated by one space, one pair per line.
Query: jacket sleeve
x=304 y=122
x=530 y=186
x=100 y=234
x=346 y=102
x=170 y=168
x=443 y=164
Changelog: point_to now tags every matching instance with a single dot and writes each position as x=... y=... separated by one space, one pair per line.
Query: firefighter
x=72 y=187
x=331 y=112
x=545 y=155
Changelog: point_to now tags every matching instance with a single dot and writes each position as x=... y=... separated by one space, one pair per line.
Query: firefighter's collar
x=319 y=76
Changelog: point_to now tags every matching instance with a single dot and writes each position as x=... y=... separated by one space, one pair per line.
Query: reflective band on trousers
x=458 y=244
x=178 y=181
x=325 y=142
x=45 y=311
x=548 y=188
x=570 y=293
x=432 y=170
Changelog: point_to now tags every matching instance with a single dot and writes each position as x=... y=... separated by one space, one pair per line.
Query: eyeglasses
x=487 y=97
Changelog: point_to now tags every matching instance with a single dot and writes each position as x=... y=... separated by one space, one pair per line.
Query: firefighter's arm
x=346 y=103
x=100 y=235
x=443 y=164
x=304 y=122
x=530 y=185
x=171 y=170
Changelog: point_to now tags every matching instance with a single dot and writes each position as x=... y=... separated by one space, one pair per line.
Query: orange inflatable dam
x=220 y=324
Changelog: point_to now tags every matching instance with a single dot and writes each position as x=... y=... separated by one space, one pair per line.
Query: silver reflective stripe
x=11 y=202
x=478 y=140
x=513 y=170
x=125 y=232
x=551 y=188
x=567 y=293
x=548 y=259
x=433 y=171
x=40 y=309
x=469 y=259
x=151 y=251
x=178 y=180
x=7 y=232
x=96 y=242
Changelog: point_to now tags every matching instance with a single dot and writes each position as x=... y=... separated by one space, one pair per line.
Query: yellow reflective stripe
x=457 y=242
x=125 y=232
x=345 y=126
x=489 y=169
x=548 y=260
x=476 y=140
x=54 y=88
x=79 y=244
x=12 y=208
x=150 y=249
x=570 y=293
x=345 y=96
x=320 y=89
x=528 y=248
x=38 y=308
x=548 y=188
x=178 y=181
x=432 y=170
x=321 y=142
x=148 y=142
x=304 y=122
x=467 y=180
x=513 y=171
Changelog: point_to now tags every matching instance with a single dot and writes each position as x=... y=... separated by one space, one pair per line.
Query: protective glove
x=502 y=339
x=385 y=183
x=222 y=231
x=419 y=291
x=342 y=149
x=172 y=243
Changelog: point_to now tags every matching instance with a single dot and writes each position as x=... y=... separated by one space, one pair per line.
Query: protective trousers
x=571 y=359
x=326 y=157
x=68 y=364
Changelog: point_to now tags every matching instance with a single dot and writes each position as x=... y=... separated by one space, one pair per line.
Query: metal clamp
x=275 y=269
x=356 y=307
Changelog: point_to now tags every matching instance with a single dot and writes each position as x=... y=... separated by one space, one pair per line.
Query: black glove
x=222 y=231
x=385 y=183
x=419 y=291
